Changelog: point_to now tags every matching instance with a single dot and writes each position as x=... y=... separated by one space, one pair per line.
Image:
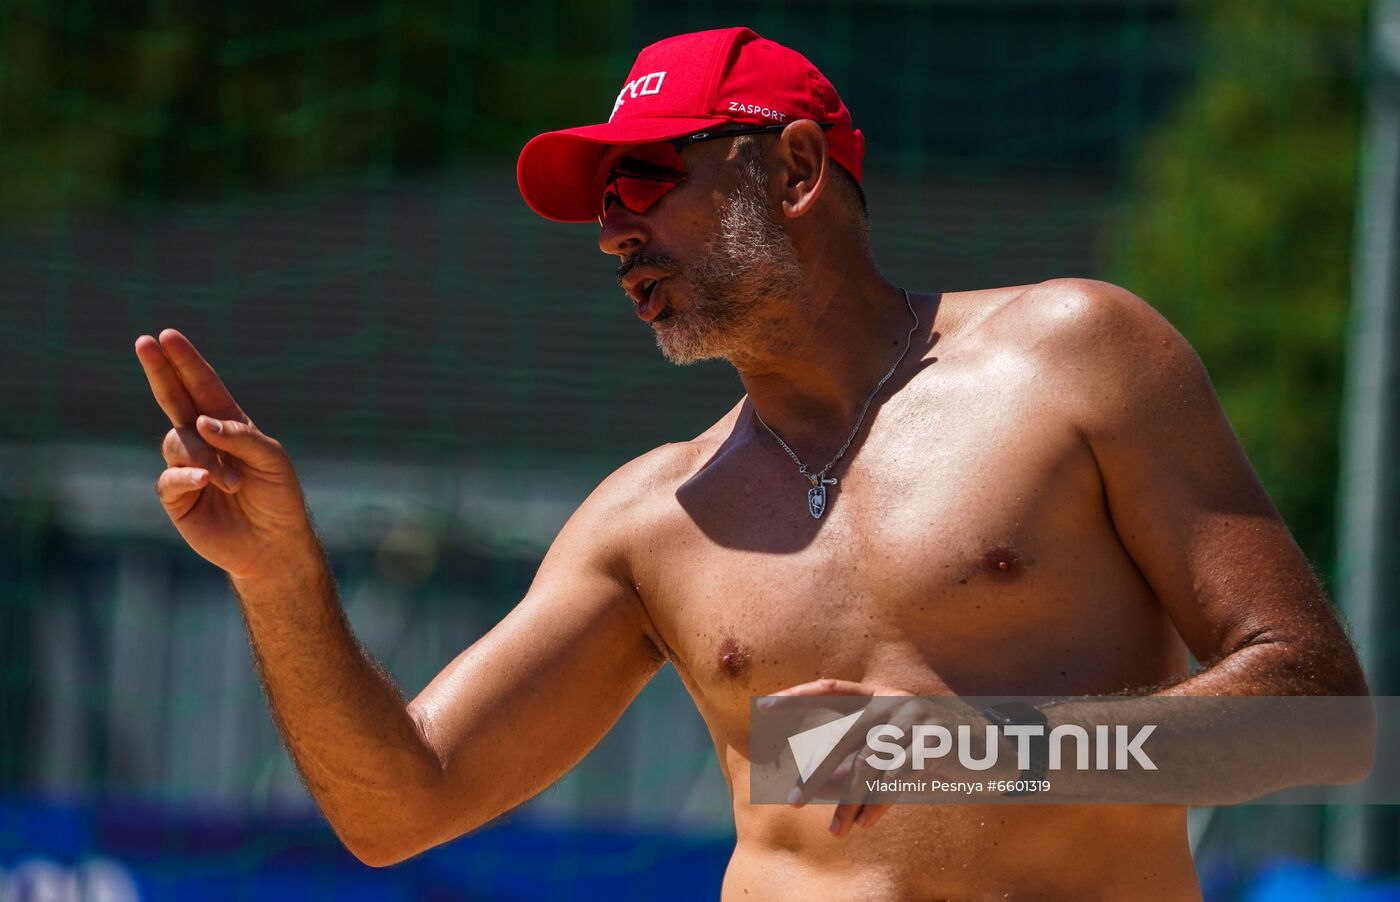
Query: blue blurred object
x=156 y=853
x=119 y=849
x=1290 y=881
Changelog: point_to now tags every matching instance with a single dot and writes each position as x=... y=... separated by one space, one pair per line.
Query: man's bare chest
x=950 y=559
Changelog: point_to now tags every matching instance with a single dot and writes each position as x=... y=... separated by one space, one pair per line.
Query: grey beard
x=732 y=289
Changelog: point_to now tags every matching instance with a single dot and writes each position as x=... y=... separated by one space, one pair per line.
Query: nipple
x=1002 y=561
x=733 y=660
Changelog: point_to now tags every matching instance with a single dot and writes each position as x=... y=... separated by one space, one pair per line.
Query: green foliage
x=1240 y=232
x=133 y=104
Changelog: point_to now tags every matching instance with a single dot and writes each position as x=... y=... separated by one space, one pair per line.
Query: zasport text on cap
x=679 y=86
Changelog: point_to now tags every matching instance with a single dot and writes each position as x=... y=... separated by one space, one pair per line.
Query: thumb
x=244 y=441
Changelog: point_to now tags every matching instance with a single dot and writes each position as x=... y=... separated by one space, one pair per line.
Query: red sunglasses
x=640 y=179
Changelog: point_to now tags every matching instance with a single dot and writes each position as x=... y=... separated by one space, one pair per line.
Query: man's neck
x=841 y=337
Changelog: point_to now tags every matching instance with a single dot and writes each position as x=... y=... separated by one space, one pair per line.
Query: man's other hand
x=229 y=489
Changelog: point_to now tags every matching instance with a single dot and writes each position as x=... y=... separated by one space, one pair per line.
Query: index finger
x=165 y=383
x=203 y=384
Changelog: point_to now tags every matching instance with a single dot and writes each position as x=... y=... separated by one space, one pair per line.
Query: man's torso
x=967 y=549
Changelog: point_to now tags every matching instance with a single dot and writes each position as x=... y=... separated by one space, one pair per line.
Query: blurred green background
x=322 y=197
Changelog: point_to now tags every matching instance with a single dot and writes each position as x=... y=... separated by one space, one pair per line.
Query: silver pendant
x=816 y=497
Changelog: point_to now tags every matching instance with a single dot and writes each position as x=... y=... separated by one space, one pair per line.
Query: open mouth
x=649 y=303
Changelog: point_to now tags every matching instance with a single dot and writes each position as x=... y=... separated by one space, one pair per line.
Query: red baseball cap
x=678 y=86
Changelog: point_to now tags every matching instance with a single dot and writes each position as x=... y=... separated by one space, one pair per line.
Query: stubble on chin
x=732 y=294
x=704 y=329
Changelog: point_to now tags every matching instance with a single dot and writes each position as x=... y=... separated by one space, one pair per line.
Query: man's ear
x=803 y=167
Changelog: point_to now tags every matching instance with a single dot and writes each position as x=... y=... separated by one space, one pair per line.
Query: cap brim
x=557 y=170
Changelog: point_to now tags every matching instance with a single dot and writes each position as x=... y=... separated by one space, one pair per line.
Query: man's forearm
x=1247 y=726
x=345 y=724
x=1323 y=665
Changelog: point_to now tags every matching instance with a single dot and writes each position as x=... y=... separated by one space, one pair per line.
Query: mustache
x=642 y=258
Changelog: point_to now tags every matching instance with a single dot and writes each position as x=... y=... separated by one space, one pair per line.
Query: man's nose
x=623 y=232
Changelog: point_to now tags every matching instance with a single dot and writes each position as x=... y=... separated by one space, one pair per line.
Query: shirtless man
x=1044 y=498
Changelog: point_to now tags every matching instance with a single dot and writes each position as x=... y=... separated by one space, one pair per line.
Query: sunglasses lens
x=642 y=177
x=639 y=194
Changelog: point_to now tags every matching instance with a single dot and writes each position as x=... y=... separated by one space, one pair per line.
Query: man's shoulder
x=662 y=468
x=636 y=495
x=1080 y=313
x=627 y=505
x=1088 y=326
x=1096 y=346
x=638 y=488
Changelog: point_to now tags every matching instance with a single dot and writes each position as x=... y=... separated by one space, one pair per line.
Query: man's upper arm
x=521 y=706
x=1183 y=497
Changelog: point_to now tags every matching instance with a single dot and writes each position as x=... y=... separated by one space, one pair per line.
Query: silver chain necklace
x=816 y=495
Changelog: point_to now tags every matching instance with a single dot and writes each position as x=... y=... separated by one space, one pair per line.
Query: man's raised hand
x=229 y=489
